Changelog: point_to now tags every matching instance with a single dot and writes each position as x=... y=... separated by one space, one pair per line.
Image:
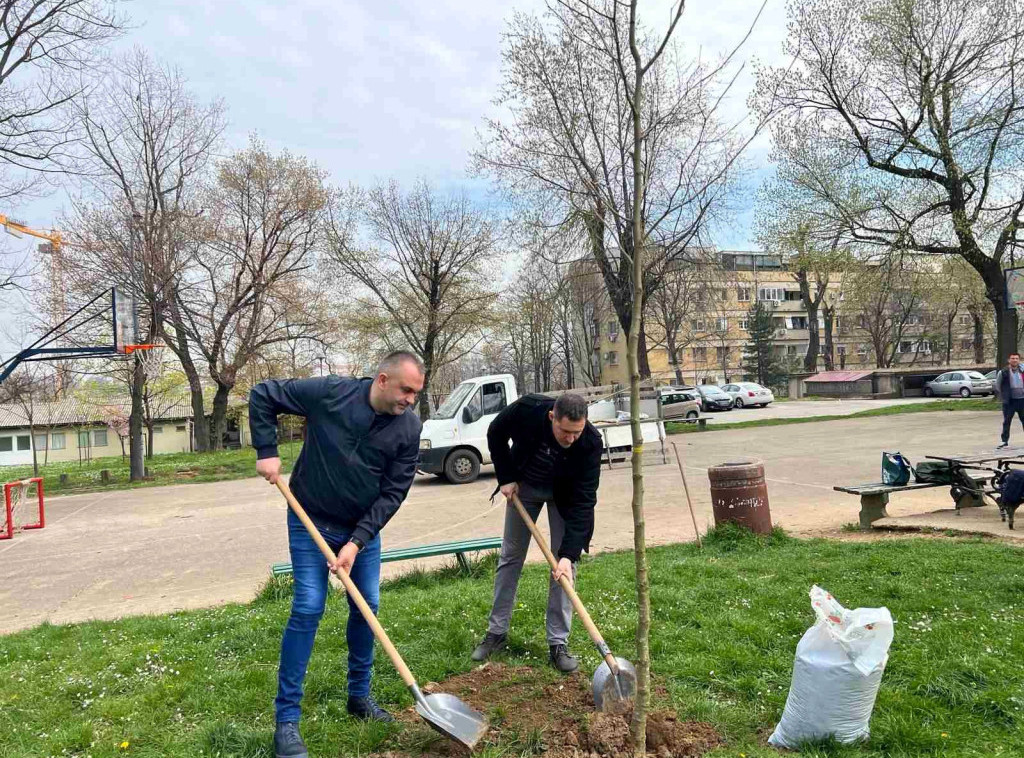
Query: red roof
x=838 y=376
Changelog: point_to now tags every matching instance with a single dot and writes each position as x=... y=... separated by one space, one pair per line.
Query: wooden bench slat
x=880 y=488
x=419 y=551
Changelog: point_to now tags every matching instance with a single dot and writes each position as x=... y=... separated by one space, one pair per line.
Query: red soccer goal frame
x=8 y=532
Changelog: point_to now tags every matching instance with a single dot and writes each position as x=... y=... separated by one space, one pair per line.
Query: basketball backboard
x=1014 y=287
x=126 y=321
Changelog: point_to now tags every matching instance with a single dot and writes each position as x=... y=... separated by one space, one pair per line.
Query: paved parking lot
x=104 y=555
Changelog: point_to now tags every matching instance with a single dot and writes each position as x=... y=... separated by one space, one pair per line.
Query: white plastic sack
x=836 y=674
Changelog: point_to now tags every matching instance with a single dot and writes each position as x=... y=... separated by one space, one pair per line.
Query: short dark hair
x=395 y=358
x=1014 y=352
x=571 y=406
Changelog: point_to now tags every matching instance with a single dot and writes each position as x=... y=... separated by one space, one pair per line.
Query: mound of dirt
x=556 y=719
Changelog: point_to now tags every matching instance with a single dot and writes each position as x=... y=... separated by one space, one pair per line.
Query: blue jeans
x=310 y=572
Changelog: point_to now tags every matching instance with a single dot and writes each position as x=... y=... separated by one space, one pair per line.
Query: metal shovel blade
x=452 y=718
x=610 y=691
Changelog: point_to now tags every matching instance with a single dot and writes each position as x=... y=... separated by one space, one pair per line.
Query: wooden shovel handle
x=567 y=587
x=350 y=587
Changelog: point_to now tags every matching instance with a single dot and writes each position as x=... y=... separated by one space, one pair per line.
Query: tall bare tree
x=249 y=285
x=907 y=121
x=47 y=49
x=427 y=277
x=886 y=296
x=566 y=147
x=148 y=145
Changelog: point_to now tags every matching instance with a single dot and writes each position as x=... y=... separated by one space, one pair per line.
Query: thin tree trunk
x=949 y=337
x=636 y=354
x=32 y=437
x=424 y=404
x=828 y=315
x=979 y=339
x=136 y=462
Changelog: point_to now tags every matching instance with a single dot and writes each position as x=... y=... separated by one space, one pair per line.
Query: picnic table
x=967 y=490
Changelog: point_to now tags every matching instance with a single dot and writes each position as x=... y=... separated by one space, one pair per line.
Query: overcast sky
x=374 y=89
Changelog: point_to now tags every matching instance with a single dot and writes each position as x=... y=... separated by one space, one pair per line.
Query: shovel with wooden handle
x=614 y=681
x=445 y=713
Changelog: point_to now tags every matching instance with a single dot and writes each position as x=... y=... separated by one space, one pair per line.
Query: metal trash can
x=739 y=494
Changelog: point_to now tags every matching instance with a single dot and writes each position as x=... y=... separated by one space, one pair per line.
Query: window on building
x=721 y=354
x=157 y=429
x=965 y=319
x=774 y=294
x=924 y=346
x=613 y=358
x=700 y=354
x=699 y=325
x=841 y=349
x=99 y=438
x=793 y=295
x=57 y=441
x=914 y=320
x=181 y=428
x=743 y=294
x=799 y=322
x=966 y=344
x=721 y=324
x=862 y=321
x=83 y=439
x=838 y=323
x=613 y=330
x=6 y=444
x=905 y=347
x=40 y=441
x=862 y=349
x=779 y=322
x=792 y=350
x=24 y=442
x=744 y=323
x=723 y=295
x=821 y=348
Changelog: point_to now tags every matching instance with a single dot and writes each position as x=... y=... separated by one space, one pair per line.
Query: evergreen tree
x=759 y=359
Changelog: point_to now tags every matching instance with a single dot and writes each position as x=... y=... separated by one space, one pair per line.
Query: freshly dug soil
x=556 y=719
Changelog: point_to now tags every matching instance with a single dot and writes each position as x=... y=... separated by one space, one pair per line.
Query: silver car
x=747 y=394
x=962 y=383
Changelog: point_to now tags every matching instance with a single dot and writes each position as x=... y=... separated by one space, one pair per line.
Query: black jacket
x=525 y=424
x=356 y=466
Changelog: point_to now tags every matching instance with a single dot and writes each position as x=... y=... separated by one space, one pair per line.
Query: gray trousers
x=514 y=544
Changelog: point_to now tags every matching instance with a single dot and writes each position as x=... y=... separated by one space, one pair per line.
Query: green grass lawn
x=173 y=468
x=726 y=624
x=936 y=406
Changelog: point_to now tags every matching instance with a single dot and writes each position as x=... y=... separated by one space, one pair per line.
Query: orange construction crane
x=18 y=228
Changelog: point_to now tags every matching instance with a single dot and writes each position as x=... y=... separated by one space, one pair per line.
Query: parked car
x=679 y=404
x=748 y=394
x=962 y=383
x=991 y=375
x=712 y=398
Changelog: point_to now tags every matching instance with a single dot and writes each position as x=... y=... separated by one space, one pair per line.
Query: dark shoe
x=287 y=742
x=492 y=643
x=1002 y=445
x=366 y=709
x=562 y=660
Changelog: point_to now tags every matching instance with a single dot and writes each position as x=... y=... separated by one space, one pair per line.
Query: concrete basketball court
x=105 y=555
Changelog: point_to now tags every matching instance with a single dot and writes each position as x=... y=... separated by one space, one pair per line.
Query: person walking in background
x=1010 y=388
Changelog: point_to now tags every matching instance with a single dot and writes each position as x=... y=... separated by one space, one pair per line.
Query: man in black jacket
x=555 y=458
x=1010 y=389
x=355 y=469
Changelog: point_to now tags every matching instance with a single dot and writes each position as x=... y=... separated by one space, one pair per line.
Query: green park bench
x=874 y=498
x=458 y=549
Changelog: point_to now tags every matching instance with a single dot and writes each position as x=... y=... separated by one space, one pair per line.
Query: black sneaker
x=1002 y=445
x=366 y=709
x=287 y=742
x=562 y=659
x=491 y=644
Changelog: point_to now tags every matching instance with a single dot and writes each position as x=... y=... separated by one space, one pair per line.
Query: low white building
x=71 y=430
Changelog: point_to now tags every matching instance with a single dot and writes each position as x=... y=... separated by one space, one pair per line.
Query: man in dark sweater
x=554 y=458
x=355 y=469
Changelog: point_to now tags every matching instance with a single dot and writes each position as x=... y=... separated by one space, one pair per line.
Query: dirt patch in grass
x=551 y=719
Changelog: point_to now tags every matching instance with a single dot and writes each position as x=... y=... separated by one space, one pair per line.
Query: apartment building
x=710 y=341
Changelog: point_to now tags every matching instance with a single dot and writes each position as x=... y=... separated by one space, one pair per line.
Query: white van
x=453 y=442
